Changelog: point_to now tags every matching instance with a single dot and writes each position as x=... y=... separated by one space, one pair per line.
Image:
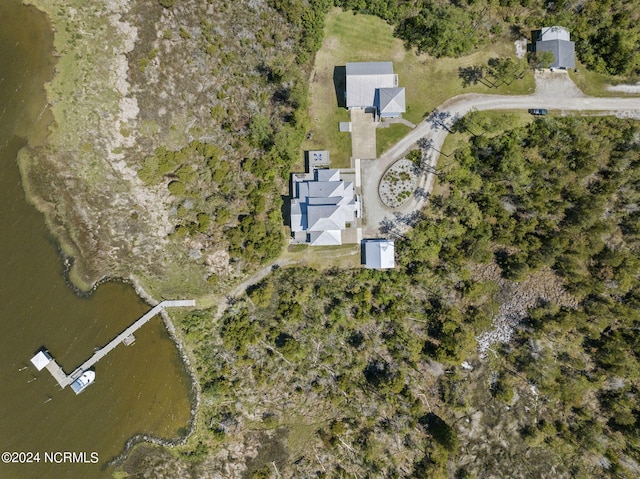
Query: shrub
x=177 y=188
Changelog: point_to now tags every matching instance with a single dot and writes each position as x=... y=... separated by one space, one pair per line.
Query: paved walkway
x=554 y=90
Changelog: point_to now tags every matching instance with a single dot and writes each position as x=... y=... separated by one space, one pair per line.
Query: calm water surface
x=139 y=389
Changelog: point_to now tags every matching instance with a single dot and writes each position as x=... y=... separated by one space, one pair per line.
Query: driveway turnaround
x=554 y=91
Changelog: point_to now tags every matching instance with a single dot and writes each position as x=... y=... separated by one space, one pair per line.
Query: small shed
x=317 y=159
x=378 y=254
x=41 y=359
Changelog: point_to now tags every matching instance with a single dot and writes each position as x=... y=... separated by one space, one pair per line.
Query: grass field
x=428 y=81
x=387 y=137
x=595 y=84
x=325 y=257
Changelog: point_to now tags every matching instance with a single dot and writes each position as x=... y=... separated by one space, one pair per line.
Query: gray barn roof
x=391 y=101
x=369 y=68
x=364 y=78
x=564 y=52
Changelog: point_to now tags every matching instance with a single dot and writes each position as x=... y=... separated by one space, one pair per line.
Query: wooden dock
x=125 y=336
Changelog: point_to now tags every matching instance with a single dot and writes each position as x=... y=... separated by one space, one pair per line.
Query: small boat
x=85 y=379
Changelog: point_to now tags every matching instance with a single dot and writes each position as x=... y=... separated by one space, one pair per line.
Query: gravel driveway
x=554 y=91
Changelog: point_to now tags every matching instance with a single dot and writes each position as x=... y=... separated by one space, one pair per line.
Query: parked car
x=537 y=111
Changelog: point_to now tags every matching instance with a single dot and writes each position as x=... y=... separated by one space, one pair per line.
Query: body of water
x=142 y=388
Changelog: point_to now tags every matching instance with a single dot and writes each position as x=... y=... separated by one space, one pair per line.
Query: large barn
x=374 y=86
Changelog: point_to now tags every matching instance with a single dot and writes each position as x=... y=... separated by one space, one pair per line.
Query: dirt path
x=554 y=90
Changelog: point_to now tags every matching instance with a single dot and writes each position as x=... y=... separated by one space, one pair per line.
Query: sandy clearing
x=625 y=88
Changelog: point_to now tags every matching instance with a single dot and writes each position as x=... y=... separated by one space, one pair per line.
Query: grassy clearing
x=300 y=435
x=325 y=257
x=387 y=137
x=595 y=84
x=488 y=123
x=325 y=117
x=428 y=81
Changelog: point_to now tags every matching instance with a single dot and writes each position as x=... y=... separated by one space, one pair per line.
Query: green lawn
x=387 y=137
x=325 y=257
x=595 y=84
x=428 y=81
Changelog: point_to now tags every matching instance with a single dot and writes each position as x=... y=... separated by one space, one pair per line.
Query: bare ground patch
x=516 y=299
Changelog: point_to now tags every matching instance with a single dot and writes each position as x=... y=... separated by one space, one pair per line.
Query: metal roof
x=379 y=254
x=369 y=68
x=325 y=238
x=363 y=79
x=554 y=33
x=322 y=208
x=564 y=52
x=391 y=101
x=41 y=359
x=328 y=175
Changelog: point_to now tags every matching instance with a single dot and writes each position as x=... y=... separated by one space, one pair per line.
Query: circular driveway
x=554 y=91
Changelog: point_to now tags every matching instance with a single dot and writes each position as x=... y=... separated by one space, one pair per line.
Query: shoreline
x=84 y=180
x=195 y=385
x=80 y=283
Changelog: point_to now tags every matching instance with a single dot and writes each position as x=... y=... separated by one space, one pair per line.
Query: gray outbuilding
x=557 y=41
x=378 y=253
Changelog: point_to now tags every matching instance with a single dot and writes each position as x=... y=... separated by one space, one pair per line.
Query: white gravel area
x=398 y=183
x=625 y=88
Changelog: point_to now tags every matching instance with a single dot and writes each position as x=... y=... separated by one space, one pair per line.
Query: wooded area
x=372 y=358
x=230 y=195
x=354 y=372
x=607 y=33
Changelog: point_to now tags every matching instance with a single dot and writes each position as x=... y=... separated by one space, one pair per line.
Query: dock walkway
x=64 y=380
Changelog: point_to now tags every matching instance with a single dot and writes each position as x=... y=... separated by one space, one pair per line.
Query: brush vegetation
x=347 y=372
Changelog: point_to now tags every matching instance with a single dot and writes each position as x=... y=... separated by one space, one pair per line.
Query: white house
x=378 y=254
x=322 y=207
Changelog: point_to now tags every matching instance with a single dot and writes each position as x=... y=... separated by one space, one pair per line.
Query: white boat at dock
x=85 y=379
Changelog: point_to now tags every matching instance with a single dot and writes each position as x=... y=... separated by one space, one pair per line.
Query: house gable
x=390 y=101
x=322 y=205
